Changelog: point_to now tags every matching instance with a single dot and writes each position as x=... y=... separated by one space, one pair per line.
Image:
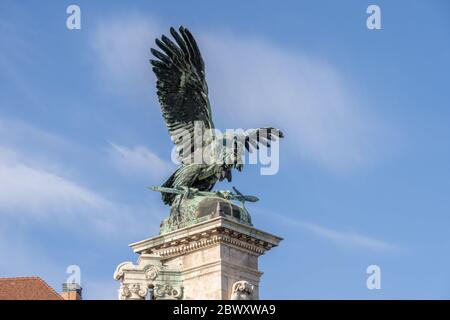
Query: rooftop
x=26 y=288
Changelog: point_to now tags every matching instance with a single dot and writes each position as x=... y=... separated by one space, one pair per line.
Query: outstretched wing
x=181 y=88
x=262 y=136
x=251 y=139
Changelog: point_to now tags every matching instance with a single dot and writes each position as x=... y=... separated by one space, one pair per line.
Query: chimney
x=71 y=291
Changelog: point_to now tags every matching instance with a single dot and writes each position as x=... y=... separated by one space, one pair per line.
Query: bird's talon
x=189 y=192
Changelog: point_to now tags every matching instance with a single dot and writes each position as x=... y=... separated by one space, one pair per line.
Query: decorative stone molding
x=149 y=272
x=167 y=291
x=120 y=269
x=242 y=290
x=193 y=243
x=205 y=234
x=133 y=291
x=146 y=266
x=124 y=292
x=197 y=262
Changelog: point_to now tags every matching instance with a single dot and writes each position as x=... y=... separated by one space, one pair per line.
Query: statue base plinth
x=214 y=259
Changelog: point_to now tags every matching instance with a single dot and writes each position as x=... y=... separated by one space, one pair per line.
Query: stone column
x=213 y=259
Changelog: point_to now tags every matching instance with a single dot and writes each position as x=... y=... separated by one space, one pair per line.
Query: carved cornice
x=208 y=233
x=211 y=237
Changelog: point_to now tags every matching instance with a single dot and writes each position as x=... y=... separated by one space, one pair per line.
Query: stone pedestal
x=213 y=259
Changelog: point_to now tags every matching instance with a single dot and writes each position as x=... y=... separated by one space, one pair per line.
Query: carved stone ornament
x=242 y=290
x=133 y=291
x=151 y=273
x=137 y=279
x=167 y=291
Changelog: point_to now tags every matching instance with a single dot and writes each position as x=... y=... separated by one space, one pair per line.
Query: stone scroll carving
x=149 y=274
x=133 y=291
x=242 y=290
x=168 y=292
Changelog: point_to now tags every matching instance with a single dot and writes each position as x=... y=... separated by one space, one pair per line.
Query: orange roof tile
x=26 y=288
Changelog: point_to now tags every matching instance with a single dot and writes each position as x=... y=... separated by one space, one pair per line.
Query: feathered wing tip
x=181 y=84
x=261 y=136
x=184 y=51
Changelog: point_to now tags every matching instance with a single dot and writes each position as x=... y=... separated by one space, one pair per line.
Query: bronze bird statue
x=183 y=94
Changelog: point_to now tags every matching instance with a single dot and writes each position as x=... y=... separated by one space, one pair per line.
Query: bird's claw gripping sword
x=190 y=192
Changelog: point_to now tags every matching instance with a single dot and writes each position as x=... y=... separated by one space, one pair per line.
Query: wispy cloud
x=122 y=47
x=28 y=138
x=36 y=188
x=38 y=194
x=254 y=82
x=138 y=161
x=338 y=237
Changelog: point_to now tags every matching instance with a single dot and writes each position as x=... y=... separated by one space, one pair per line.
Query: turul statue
x=205 y=157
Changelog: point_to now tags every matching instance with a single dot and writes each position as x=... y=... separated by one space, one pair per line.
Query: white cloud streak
x=35 y=187
x=31 y=193
x=255 y=83
x=122 y=47
x=138 y=161
x=340 y=238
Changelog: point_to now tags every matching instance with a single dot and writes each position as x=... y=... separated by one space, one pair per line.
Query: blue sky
x=364 y=169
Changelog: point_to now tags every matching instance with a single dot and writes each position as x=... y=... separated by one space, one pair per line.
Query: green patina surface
x=189 y=211
x=182 y=91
